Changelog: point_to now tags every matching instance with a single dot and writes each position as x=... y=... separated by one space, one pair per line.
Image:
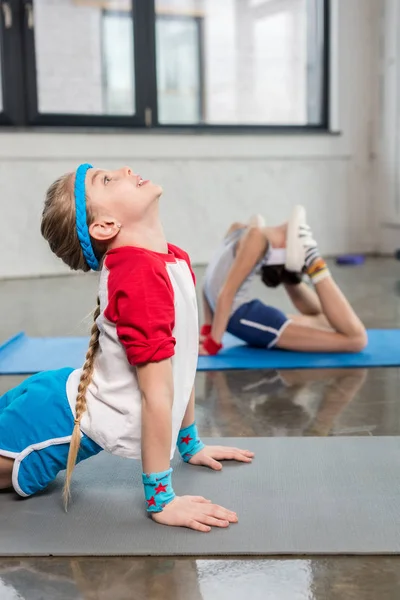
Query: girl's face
x=120 y=195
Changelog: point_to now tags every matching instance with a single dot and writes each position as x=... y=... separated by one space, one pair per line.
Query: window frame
x=20 y=91
x=142 y=66
x=12 y=80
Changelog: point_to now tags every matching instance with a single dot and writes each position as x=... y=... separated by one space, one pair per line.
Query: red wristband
x=211 y=346
x=205 y=329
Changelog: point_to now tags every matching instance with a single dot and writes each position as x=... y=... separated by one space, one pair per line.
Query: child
x=327 y=322
x=134 y=395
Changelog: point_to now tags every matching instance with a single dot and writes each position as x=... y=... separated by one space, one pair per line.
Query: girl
x=134 y=395
x=327 y=322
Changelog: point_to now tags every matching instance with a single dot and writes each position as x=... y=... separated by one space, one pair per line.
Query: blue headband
x=81 y=217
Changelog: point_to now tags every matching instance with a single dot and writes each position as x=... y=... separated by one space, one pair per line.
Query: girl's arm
x=145 y=323
x=195 y=512
x=251 y=248
x=304 y=299
x=156 y=384
x=157 y=388
x=207 y=312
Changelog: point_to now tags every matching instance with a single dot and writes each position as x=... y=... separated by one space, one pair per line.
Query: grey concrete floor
x=235 y=403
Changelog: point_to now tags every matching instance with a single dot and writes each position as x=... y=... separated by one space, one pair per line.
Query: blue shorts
x=257 y=324
x=36 y=424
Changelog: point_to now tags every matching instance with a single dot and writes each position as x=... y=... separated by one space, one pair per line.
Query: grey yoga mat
x=299 y=496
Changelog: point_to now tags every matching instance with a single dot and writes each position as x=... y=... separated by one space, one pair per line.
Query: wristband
x=189 y=442
x=158 y=490
x=211 y=346
x=205 y=329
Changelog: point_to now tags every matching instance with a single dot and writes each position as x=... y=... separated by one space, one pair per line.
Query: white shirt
x=148 y=314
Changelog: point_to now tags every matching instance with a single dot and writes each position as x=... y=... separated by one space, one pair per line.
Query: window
x=196 y=63
x=80 y=59
x=118 y=63
x=81 y=62
x=179 y=69
x=250 y=62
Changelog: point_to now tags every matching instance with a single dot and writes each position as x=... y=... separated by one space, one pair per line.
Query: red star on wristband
x=151 y=502
x=160 y=488
x=186 y=440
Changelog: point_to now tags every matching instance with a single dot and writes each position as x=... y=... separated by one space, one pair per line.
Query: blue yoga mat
x=23 y=355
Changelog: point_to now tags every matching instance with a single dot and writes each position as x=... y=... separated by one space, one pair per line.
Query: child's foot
x=301 y=248
x=256 y=221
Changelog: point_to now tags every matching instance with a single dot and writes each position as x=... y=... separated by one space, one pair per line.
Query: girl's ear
x=104 y=230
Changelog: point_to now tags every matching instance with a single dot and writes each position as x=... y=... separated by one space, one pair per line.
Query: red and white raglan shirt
x=148 y=314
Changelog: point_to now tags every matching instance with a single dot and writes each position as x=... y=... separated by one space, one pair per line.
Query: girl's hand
x=196 y=513
x=202 y=350
x=210 y=455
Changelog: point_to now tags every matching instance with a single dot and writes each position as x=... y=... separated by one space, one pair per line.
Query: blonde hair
x=58 y=228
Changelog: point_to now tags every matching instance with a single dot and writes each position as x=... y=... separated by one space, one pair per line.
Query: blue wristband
x=158 y=490
x=189 y=442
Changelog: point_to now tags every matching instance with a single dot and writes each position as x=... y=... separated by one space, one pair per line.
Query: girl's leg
x=306 y=301
x=6 y=464
x=234 y=227
x=37 y=413
x=6 y=467
x=256 y=221
x=347 y=333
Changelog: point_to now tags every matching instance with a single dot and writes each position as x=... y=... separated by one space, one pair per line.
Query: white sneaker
x=301 y=248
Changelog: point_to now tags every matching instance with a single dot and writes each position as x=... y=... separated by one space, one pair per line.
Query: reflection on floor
x=336 y=578
x=231 y=403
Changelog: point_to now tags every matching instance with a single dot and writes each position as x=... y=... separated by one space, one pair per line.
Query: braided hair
x=58 y=227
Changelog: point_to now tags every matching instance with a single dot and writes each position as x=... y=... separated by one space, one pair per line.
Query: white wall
x=387 y=147
x=210 y=180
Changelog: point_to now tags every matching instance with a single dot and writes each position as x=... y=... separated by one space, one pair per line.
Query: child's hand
x=202 y=350
x=210 y=455
x=196 y=513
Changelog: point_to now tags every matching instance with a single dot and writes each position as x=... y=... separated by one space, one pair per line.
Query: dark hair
x=274 y=275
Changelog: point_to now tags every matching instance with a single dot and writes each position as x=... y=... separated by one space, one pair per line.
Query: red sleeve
x=142 y=307
x=182 y=255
